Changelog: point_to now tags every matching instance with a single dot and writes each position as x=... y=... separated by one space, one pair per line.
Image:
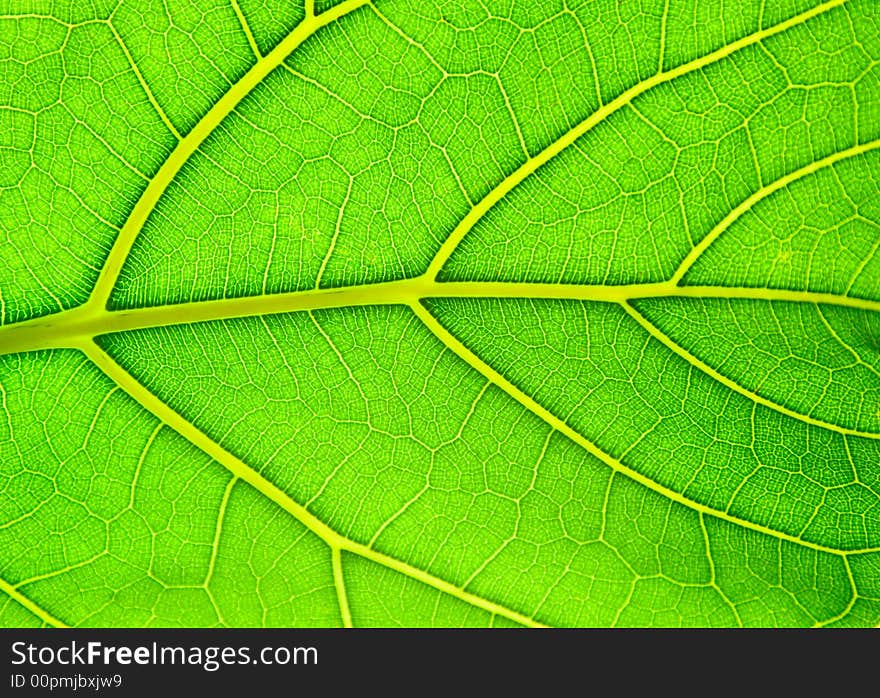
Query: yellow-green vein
x=339 y=583
x=475 y=362
x=38 y=611
x=700 y=365
x=69 y=327
x=244 y=472
x=761 y=194
x=551 y=151
x=191 y=142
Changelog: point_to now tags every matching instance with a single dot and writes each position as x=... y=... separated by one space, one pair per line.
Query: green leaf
x=451 y=313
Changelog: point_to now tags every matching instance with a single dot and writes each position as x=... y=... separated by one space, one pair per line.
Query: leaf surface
x=440 y=314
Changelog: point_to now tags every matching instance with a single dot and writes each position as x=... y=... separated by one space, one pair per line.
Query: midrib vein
x=71 y=328
x=68 y=328
x=194 y=139
x=337 y=542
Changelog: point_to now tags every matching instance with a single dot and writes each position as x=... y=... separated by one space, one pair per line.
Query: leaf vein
x=246 y=473
x=615 y=464
x=597 y=117
x=697 y=363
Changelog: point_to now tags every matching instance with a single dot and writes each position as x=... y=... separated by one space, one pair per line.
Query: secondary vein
x=194 y=139
x=150 y=402
x=40 y=612
x=762 y=193
x=569 y=137
x=462 y=351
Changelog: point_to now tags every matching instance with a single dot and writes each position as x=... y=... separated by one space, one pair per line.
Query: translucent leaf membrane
x=439 y=314
x=199 y=548
x=80 y=142
x=386 y=599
